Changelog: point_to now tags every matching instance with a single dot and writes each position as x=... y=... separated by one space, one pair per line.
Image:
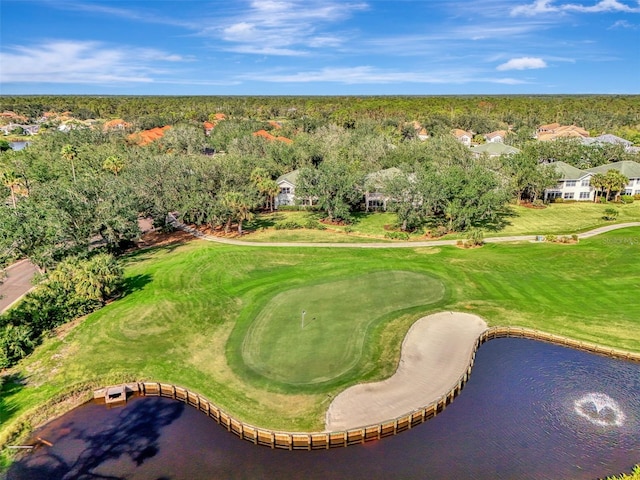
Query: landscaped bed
x=194 y=313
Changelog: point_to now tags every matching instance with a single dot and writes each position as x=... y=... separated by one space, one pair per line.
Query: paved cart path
x=428 y=243
x=435 y=353
x=16 y=283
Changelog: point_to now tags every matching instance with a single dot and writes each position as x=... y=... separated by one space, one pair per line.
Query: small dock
x=116 y=394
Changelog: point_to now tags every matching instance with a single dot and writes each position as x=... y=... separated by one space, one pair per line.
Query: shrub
x=550 y=238
x=610 y=214
x=636 y=196
x=287 y=225
x=602 y=200
x=558 y=200
x=475 y=238
x=538 y=203
x=397 y=235
x=349 y=229
x=627 y=198
x=574 y=237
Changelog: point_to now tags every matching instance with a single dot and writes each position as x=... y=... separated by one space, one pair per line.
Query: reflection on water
x=530 y=411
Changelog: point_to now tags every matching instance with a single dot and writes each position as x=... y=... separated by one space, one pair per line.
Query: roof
x=494 y=149
x=116 y=123
x=375 y=180
x=568 y=172
x=497 y=133
x=209 y=125
x=145 y=137
x=268 y=136
x=461 y=133
x=607 y=138
x=628 y=168
x=290 y=177
x=220 y=116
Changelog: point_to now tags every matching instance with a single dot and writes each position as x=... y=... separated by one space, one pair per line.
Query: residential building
x=287 y=184
x=374 y=186
x=496 y=137
x=573 y=184
x=553 y=131
x=493 y=150
x=463 y=136
x=629 y=169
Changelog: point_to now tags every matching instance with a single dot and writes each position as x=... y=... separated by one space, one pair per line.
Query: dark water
x=530 y=411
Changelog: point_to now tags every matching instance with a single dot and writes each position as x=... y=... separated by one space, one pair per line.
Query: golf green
x=316 y=333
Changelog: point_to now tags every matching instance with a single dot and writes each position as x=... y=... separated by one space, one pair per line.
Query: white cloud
x=522 y=63
x=274 y=27
x=548 y=6
x=623 y=24
x=66 y=61
x=365 y=74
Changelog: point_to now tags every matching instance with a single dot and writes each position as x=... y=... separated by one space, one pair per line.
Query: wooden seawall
x=326 y=440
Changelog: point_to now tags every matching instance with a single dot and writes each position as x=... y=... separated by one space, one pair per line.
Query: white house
x=374 y=185
x=287 y=184
x=629 y=169
x=496 y=137
x=573 y=184
x=463 y=136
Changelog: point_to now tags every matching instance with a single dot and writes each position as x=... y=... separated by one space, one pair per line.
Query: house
x=208 y=127
x=287 y=184
x=629 y=169
x=463 y=136
x=116 y=124
x=493 y=150
x=26 y=129
x=145 y=137
x=374 y=186
x=553 y=131
x=612 y=140
x=573 y=184
x=496 y=137
x=266 y=135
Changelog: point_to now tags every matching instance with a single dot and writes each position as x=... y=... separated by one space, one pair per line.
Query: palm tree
x=598 y=182
x=114 y=164
x=12 y=182
x=615 y=181
x=240 y=206
x=70 y=153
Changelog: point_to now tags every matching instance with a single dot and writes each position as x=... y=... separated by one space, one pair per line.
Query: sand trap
x=435 y=354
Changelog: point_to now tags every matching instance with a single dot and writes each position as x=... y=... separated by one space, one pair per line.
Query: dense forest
x=73 y=198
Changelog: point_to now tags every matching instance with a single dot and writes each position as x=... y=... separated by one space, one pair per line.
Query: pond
x=531 y=410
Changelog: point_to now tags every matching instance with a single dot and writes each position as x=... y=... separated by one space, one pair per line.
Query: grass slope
x=190 y=309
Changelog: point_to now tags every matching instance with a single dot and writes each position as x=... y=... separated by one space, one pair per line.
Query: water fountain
x=600 y=409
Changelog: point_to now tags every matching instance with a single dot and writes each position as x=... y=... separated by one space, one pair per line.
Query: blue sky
x=319 y=47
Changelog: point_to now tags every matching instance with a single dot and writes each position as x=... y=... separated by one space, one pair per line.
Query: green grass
x=326 y=342
x=556 y=219
x=197 y=315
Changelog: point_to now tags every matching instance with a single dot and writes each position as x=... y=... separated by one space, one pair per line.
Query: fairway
x=326 y=341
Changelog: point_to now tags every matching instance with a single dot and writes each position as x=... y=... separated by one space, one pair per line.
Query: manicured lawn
x=209 y=317
x=557 y=219
x=326 y=341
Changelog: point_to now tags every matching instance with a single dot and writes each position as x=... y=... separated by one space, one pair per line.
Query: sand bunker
x=435 y=354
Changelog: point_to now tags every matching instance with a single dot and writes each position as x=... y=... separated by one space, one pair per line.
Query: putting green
x=328 y=342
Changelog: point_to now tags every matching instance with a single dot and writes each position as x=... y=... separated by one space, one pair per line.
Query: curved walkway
x=17 y=283
x=429 y=243
x=435 y=353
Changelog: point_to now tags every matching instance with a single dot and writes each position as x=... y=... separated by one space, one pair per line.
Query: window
x=637 y=192
x=585 y=182
x=568 y=195
x=285 y=190
x=584 y=195
x=376 y=204
x=628 y=192
x=570 y=183
x=638 y=181
x=553 y=195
